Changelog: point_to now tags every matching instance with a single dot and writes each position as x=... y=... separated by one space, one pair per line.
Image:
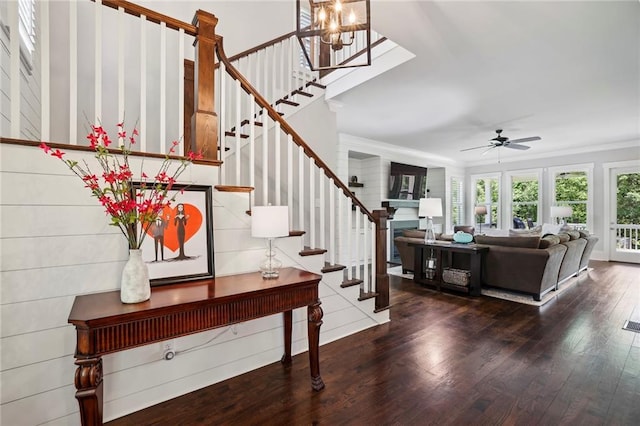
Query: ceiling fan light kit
x=503 y=141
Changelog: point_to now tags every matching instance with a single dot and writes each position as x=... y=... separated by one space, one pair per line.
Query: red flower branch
x=126 y=209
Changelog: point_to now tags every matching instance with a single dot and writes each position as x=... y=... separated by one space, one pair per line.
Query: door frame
x=609 y=198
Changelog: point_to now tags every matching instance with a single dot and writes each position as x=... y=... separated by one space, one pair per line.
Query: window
x=457 y=202
x=487 y=193
x=27 y=24
x=572 y=186
x=305 y=21
x=26 y=29
x=526 y=197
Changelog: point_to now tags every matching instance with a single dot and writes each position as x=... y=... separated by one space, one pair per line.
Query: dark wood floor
x=447 y=359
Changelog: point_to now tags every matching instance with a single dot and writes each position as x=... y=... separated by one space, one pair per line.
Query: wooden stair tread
x=332 y=268
x=350 y=283
x=233 y=134
x=316 y=84
x=364 y=295
x=303 y=93
x=307 y=251
x=287 y=102
x=245 y=122
x=233 y=188
x=295 y=233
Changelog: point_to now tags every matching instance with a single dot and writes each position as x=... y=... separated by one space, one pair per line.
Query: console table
x=105 y=325
x=475 y=251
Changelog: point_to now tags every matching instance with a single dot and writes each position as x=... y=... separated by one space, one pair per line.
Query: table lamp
x=270 y=222
x=561 y=212
x=480 y=210
x=430 y=208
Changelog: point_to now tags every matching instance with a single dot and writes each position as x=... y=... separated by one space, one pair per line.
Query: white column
x=73 y=73
x=143 y=84
x=45 y=86
x=163 y=88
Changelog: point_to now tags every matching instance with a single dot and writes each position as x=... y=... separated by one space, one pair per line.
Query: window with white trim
x=457 y=201
x=573 y=186
x=26 y=29
x=305 y=21
x=526 y=198
x=486 y=192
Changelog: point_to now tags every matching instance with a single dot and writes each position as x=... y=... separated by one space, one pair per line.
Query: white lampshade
x=430 y=207
x=561 y=211
x=269 y=221
x=481 y=209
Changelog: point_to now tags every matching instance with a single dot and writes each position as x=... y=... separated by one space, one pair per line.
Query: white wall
x=317 y=126
x=55 y=243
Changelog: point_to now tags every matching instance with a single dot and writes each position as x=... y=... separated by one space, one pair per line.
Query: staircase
x=259 y=153
x=254 y=157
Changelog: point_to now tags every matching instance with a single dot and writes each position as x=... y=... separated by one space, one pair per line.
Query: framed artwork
x=179 y=244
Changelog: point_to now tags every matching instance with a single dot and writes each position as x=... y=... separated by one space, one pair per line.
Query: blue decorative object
x=462 y=237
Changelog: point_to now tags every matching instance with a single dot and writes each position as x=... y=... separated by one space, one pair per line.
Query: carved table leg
x=88 y=383
x=315 y=321
x=286 y=358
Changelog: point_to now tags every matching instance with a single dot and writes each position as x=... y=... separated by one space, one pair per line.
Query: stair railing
x=275 y=69
x=285 y=170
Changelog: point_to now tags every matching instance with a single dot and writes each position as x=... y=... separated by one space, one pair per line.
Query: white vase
x=135 y=286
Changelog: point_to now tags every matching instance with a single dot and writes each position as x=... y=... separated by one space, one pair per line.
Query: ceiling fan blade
x=485 y=152
x=530 y=139
x=477 y=147
x=520 y=147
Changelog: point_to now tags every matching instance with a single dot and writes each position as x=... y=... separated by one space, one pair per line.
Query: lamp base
x=270 y=274
x=270 y=266
x=429 y=235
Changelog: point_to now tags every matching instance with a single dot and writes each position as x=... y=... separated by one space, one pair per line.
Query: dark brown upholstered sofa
x=588 y=249
x=575 y=248
x=525 y=264
x=528 y=264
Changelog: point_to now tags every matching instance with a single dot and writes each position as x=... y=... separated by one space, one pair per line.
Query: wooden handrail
x=86 y=148
x=275 y=116
x=261 y=46
x=155 y=17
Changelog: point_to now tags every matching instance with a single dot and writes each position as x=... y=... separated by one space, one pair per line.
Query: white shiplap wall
x=55 y=244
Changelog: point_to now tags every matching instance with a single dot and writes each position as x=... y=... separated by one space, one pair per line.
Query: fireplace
x=395 y=229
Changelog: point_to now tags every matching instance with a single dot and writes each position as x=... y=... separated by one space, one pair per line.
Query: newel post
x=382 y=278
x=204 y=122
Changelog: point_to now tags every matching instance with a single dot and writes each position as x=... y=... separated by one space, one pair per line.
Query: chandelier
x=334 y=33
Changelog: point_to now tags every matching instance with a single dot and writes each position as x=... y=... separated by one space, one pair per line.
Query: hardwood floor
x=447 y=359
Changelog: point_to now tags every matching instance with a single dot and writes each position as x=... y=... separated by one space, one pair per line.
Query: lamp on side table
x=430 y=208
x=270 y=222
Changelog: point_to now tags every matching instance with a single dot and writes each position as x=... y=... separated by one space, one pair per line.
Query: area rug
x=505 y=294
x=397 y=271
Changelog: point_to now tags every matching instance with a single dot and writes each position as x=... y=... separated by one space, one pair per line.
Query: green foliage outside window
x=572 y=189
x=525 y=199
x=494 y=193
x=628 y=198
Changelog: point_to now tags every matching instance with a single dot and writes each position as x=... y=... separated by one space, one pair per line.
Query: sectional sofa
x=529 y=264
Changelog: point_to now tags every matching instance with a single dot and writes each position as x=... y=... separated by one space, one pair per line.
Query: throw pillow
x=550 y=228
x=548 y=241
x=413 y=233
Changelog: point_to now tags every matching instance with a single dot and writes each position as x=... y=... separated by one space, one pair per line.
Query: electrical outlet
x=168 y=350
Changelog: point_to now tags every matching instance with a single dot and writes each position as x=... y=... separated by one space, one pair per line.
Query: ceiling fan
x=500 y=140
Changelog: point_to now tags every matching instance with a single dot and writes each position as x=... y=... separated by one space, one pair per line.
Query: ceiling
x=566 y=71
